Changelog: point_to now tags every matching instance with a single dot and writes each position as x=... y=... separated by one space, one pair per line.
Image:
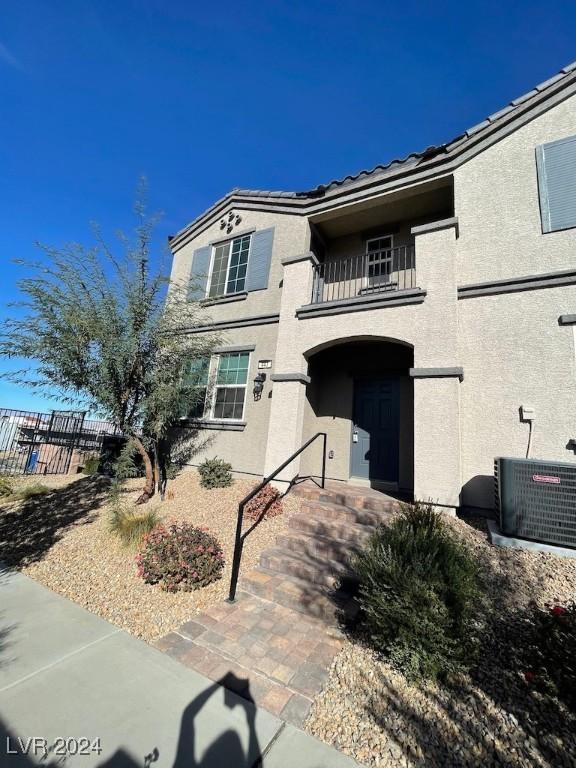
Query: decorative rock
x=492 y=719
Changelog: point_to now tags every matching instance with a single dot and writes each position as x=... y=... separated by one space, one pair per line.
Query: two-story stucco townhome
x=409 y=311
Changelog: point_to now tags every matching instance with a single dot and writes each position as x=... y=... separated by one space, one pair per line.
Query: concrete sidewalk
x=69 y=681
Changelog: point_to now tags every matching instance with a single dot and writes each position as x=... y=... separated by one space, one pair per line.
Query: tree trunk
x=148 y=490
x=161 y=459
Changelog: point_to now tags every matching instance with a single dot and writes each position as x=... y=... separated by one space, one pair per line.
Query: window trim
x=215 y=361
x=211 y=388
x=219 y=244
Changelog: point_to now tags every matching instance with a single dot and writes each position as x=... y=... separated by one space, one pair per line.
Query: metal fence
x=392 y=269
x=33 y=443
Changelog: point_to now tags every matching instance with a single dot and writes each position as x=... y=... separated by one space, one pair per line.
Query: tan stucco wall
x=429 y=327
x=510 y=346
x=291 y=237
x=515 y=353
x=513 y=350
x=245 y=450
x=497 y=205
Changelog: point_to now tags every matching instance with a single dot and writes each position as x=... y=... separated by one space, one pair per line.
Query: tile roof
x=415 y=157
x=411 y=161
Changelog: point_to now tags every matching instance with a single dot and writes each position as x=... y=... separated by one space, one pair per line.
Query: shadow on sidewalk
x=18 y=751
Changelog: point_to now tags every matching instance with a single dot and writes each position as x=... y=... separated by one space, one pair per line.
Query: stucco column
x=437 y=373
x=290 y=369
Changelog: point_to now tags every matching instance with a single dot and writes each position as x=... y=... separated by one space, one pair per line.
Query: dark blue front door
x=376 y=429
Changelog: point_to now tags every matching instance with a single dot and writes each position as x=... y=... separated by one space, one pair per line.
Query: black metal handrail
x=239 y=542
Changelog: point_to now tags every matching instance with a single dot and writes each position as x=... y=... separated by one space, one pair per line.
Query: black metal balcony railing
x=393 y=269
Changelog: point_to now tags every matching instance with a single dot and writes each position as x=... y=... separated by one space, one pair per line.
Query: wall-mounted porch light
x=259 y=380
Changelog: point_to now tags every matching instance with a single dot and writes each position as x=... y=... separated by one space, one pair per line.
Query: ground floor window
x=230 y=389
x=221 y=384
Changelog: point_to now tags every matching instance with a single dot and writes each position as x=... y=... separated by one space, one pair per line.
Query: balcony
x=365 y=251
x=377 y=271
x=377 y=278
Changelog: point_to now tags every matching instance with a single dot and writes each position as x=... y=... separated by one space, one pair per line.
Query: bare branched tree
x=105 y=328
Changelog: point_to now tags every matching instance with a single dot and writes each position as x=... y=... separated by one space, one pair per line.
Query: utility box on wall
x=536 y=500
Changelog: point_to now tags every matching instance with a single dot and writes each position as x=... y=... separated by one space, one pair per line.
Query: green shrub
x=180 y=557
x=6 y=487
x=551 y=657
x=91 y=464
x=131 y=526
x=215 y=473
x=31 y=491
x=173 y=470
x=418 y=594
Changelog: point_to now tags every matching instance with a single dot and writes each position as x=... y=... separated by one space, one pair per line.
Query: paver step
x=315 y=524
x=349 y=496
x=331 y=606
x=335 y=511
x=317 y=546
x=318 y=570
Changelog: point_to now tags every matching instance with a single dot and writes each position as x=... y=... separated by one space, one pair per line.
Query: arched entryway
x=361 y=394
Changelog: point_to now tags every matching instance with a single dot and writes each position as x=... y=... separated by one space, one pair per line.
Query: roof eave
x=396 y=174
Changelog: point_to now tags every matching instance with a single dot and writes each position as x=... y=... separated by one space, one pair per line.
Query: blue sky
x=204 y=97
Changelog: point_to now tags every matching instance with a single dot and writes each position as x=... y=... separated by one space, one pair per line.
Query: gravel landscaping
x=63 y=542
x=492 y=717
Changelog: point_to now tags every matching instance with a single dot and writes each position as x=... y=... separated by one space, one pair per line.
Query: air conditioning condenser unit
x=536 y=500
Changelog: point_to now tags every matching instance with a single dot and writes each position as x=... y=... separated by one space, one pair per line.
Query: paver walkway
x=282 y=633
x=284 y=655
x=67 y=676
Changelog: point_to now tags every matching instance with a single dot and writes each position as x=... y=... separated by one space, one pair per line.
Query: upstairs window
x=556 y=163
x=229 y=265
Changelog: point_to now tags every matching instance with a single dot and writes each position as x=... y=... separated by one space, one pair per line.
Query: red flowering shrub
x=266 y=503
x=180 y=557
x=553 y=652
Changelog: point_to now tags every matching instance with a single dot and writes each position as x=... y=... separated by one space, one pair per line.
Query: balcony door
x=379 y=261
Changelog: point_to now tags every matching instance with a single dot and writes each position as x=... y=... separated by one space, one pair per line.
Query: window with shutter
x=556 y=163
x=229 y=264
